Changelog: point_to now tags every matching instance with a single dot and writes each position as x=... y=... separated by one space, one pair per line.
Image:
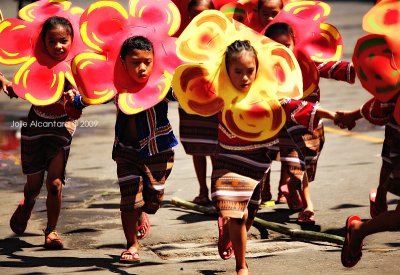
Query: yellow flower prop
x=204 y=87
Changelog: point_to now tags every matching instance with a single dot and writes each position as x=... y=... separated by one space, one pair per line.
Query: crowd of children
x=143 y=147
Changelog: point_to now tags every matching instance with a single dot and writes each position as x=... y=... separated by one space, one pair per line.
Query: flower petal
x=377 y=66
x=38 y=84
x=15 y=44
x=86 y=68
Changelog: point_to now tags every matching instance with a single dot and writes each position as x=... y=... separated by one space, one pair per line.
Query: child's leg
x=20 y=217
x=130 y=220
x=54 y=182
x=200 y=167
x=386 y=221
x=238 y=236
x=381 y=192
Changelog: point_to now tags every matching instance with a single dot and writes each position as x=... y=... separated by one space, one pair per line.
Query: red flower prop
x=104 y=26
x=40 y=79
x=204 y=87
x=183 y=9
x=321 y=42
x=376 y=56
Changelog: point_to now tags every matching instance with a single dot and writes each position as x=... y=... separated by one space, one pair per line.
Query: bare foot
x=243 y=271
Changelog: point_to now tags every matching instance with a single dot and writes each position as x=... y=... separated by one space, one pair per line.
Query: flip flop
x=200 y=200
x=294 y=202
x=53 y=241
x=135 y=257
x=143 y=226
x=223 y=248
x=374 y=209
x=348 y=258
x=19 y=220
x=306 y=218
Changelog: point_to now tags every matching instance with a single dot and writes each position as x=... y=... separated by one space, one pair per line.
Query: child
x=382 y=220
x=299 y=147
x=377 y=113
x=240 y=165
x=142 y=150
x=46 y=140
x=267 y=10
x=199 y=135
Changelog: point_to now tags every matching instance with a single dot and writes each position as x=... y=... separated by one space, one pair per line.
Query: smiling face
x=242 y=70
x=139 y=65
x=267 y=11
x=58 y=42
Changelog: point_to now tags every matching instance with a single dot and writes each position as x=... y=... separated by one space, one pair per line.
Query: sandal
x=347 y=257
x=201 y=200
x=225 y=250
x=374 y=209
x=306 y=218
x=294 y=201
x=143 y=229
x=19 y=220
x=281 y=198
x=133 y=259
x=53 y=241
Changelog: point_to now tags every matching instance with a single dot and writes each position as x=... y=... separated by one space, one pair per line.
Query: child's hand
x=70 y=95
x=345 y=120
x=6 y=86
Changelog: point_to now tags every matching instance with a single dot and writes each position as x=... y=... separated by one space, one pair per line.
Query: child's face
x=197 y=10
x=242 y=70
x=285 y=39
x=139 y=65
x=58 y=42
x=268 y=11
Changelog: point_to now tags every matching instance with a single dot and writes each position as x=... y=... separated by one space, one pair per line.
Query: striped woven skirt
x=391 y=156
x=42 y=139
x=300 y=149
x=198 y=135
x=142 y=181
x=235 y=180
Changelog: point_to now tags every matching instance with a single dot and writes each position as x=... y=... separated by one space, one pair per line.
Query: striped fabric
x=300 y=150
x=235 y=180
x=42 y=139
x=142 y=180
x=391 y=156
x=198 y=134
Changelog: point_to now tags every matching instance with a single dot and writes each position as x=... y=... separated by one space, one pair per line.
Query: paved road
x=183 y=241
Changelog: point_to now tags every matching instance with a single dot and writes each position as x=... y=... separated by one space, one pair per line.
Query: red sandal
x=19 y=219
x=143 y=229
x=225 y=250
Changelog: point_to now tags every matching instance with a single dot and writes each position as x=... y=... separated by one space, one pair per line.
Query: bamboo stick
x=295 y=233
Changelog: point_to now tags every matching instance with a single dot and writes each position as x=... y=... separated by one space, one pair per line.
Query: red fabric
x=376 y=112
x=338 y=70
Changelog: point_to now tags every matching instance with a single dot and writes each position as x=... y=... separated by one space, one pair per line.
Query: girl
x=240 y=165
x=299 y=147
x=199 y=135
x=46 y=139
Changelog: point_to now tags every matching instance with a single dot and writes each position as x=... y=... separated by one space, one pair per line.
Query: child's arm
x=338 y=70
x=347 y=119
x=6 y=86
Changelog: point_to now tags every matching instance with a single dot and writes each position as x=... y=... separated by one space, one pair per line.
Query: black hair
x=136 y=43
x=262 y=2
x=53 y=22
x=194 y=3
x=237 y=47
x=278 y=29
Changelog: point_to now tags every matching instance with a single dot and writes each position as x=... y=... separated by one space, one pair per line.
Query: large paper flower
x=40 y=79
x=376 y=56
x=183 y=9
x=321 y=42
x=104 y=26
x=206 y=89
